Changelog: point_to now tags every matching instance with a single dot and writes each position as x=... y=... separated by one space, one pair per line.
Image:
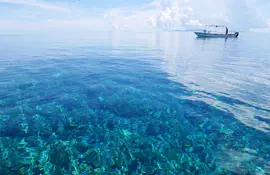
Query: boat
x=216 y=31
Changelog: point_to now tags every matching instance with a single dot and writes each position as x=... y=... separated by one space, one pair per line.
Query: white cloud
x=130 y=18
x=164 y=14
x=37 y=4
x=158 y=14
x=242 y=14
x=174 y=16
x=185 y=14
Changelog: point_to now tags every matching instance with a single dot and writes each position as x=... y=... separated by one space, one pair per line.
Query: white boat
x=216 y=31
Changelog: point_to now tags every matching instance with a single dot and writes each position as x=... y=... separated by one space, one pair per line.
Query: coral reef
x=101 y=121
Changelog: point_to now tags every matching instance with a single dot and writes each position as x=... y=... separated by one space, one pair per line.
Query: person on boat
x=226 y=31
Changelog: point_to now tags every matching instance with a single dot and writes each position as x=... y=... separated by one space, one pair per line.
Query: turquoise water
x=128 y=103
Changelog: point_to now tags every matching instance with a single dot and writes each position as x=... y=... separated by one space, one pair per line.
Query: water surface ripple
x=134 y=103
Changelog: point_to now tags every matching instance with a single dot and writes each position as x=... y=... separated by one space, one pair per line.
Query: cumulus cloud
x=160 y=14
x=186 y=14
x=174 y=16
x=242 y=15
x=165 y=14
x=130 y=19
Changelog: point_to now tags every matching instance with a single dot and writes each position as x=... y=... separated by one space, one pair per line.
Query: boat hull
x=215 y=35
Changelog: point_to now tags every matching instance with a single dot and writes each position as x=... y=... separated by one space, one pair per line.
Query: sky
x=137 y=15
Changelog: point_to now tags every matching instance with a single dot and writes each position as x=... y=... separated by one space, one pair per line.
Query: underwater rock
x=132 y=167
x=4 y=170
x=171 y=155
x=111 y=124
x=198 y=148
x=128 y=156
x=59 y=156
x=70 y=104
x=194 y=118
x=156 y=128
x=101 y=99
x=15 y=161
x=115 y=159
x=202 y=156
x=115 y=153
x=157 y=114
x=152 y=130
x=110 y=162
x=93 y=158
x=144 y=156
x=45 y=134
x=81 y=147
x=187 y=145
x=159 y=172
x=117 y=163
x=126 y=109
x=32 y=141
x=96 y=137
x=25 y=86
x=38 y=170
x=148 y=169
x=6 y=142
x=57 y=171
x=72 y=126
x=163 y=128
x=11 y=131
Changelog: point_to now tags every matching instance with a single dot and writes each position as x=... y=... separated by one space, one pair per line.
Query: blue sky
x=132 y=14
x=107 y=3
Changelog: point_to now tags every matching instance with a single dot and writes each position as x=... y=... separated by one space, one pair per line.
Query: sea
x=134 y=103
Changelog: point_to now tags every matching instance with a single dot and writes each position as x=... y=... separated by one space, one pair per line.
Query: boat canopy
x=215 y=28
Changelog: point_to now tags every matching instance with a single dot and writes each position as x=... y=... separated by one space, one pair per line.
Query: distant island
x=186 y=30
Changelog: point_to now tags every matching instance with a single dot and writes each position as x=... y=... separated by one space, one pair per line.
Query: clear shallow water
x=134 y=103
